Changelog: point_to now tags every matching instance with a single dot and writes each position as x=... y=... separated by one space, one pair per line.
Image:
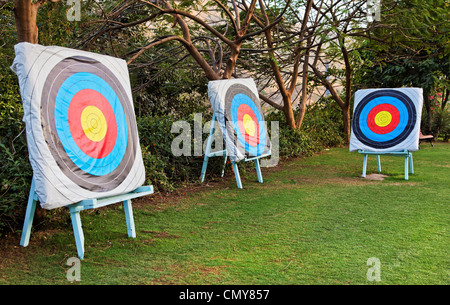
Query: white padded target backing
x=80 y=124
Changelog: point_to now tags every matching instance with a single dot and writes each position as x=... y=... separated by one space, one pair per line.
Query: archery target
x=81 y=128
x=386 y=119
x=238 y=111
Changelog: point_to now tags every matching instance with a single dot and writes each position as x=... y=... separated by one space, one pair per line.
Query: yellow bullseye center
x=249 y=125
x=93 y=123
x=383 y=118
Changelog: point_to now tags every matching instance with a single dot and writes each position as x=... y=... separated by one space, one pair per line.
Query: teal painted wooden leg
x=204 y=166
x=29 y=216
x=77 y=231
x=378 y=163
x=129 y=218
x=406 y=167
x=208 y=148
x=364 y=166
x=236 y=174
x=411 y=165
x=224 y=163
x=258 y=171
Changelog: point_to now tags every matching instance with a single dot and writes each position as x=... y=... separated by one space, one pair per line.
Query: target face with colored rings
x=248 y=128
x=385 y=119
x=87 y=110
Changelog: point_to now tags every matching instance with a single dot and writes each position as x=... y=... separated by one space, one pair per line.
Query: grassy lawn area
x=313 y=221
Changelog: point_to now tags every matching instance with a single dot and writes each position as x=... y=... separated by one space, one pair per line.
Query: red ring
x=242 y=110
x=82 y=99
x=385 y=129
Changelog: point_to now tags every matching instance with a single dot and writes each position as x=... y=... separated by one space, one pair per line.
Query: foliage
x=414 y=25
x=439 y=121
x=164 y=89
x=15 y=179
x=322 y=128
x=163 y=170
x=401 y=67
x=414 y=52
x=323 y=122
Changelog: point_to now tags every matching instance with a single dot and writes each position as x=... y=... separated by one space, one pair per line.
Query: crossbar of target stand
x=75 y=210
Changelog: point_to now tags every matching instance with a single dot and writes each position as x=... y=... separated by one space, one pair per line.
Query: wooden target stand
x=76 y=208
x=209 y=154
x=405 y=153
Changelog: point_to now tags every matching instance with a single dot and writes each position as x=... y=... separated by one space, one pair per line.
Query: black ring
x=55 y=79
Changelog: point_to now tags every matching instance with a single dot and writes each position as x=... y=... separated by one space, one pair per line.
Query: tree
x=193 y=32
x=295 y=52
x=345 y=22
x=313 y=34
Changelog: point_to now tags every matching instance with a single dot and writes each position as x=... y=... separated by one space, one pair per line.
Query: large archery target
x=81 y=128
x=238 y=111
x=386 y=119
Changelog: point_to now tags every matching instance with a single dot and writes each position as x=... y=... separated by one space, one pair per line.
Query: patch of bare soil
x=161 y=201
x=377 y=177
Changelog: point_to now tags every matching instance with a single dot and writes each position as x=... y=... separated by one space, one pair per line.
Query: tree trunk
x=445 y=96
x=344 y=105
x=285 y=94
x=209 y=72
x=346 y=120
x=348 y=89
x=232 y=60
x=302 y=106
x=25 y=13
x=289 y=114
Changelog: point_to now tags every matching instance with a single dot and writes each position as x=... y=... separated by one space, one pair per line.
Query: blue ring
x=238 y=100
x=71 y=86
x=403 y=112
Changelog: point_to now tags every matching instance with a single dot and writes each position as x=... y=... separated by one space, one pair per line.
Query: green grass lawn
x=313 y=221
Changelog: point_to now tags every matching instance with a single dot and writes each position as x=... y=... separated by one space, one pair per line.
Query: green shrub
x=15 y=179
x=15 y=168
x=164 y=170
x=323 y=122
x=441 y=123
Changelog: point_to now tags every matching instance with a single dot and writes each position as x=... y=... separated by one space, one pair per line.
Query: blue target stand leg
x=76 y=208
x=209 y=154
x=29 y=216
x=409 y=166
